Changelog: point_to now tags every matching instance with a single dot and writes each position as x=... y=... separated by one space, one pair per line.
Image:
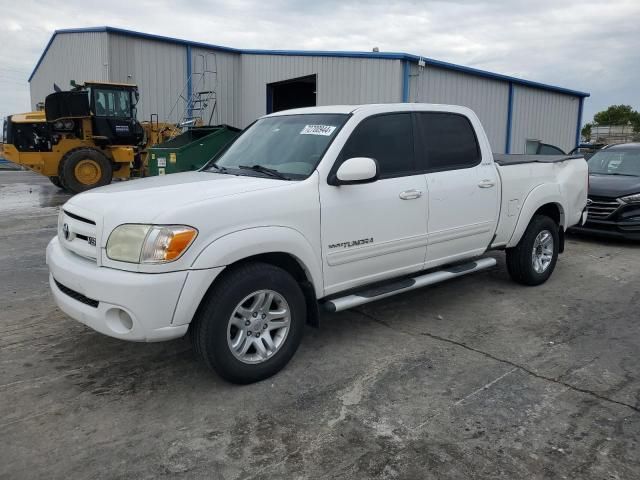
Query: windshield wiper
x=219 y=168
x=269 y=171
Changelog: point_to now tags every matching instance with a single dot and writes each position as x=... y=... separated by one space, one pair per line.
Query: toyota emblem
x=589 y=202
x=65 y=231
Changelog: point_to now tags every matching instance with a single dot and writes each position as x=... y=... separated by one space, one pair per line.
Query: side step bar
x=407 y=284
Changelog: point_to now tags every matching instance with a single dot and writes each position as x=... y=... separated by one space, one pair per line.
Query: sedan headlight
x=635 y=198
x=135 y=243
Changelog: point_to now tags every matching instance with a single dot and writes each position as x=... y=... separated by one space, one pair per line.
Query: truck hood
x=613 y=186
x=144 y=199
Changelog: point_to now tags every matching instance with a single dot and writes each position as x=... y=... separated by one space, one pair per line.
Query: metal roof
x=318 y=53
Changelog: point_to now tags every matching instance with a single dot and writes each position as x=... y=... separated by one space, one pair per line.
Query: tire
x=56 y=181
x=223 y=319
x=82 y=169
x=521 y=260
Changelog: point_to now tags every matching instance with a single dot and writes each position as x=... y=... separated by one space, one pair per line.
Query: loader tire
x=56 y=181
x=84 y=168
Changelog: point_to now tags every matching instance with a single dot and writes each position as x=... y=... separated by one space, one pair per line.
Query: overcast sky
x=585 y=45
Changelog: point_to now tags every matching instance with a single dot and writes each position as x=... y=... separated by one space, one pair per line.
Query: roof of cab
x=371 y=107
x=112 y=84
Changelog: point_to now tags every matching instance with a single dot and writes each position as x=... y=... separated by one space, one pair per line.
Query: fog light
x=119 y=321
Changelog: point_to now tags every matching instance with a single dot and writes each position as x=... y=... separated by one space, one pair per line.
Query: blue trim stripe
x=507 y=145
x=579 y=126
x=322 y=53
x=189 y=82
x=406 y=69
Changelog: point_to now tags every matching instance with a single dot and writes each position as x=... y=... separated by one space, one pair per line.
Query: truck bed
x=505 y=160
x=521 y=174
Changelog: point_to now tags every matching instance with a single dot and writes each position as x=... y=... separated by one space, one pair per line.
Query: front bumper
x=127 y=305
x=629 y=230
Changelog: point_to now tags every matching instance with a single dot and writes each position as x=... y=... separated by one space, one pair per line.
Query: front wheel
x=533 y=260
x=250 y=323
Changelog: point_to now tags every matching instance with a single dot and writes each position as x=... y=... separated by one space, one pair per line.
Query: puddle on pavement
x=26 y=197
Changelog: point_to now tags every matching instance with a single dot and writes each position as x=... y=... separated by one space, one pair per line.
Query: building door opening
x=294 y=93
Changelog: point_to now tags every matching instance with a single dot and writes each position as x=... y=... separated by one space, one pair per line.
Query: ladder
x=198 y=97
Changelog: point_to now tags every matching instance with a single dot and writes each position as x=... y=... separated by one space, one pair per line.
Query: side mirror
x=356 y=170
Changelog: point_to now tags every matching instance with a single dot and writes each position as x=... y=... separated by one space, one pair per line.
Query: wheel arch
x=274 y=242
x=295 y=268
x=544 y=200
x=283 y=247
x=192 y=302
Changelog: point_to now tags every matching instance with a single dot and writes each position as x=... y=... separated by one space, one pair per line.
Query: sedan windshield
x=616 y=162
x=288 y=146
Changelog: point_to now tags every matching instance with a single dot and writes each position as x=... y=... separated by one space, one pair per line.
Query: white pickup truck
x=326 y=207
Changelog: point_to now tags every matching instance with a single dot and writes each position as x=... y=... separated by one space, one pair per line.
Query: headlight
x=149 y=243
x=635 y=198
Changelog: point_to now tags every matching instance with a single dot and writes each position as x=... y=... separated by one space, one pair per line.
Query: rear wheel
x=533 y=260
x=250 y=323
x=85 y=168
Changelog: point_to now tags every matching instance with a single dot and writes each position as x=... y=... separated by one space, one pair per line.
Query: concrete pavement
x=475 y=378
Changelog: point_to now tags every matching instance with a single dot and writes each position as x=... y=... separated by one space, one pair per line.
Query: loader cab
x=113 y=107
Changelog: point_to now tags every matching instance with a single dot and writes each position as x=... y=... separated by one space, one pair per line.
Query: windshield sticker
x=324 y=130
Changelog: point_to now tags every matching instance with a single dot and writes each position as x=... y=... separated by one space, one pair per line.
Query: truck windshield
x=290 y=146
x=616 y=162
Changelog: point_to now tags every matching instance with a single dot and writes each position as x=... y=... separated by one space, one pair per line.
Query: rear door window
x=446 y=141
x=386 y=138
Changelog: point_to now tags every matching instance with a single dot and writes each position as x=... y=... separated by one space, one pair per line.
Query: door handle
x=486 y=183
x=410 y=194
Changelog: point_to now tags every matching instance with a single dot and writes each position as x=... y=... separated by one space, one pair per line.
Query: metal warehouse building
x=250 y=83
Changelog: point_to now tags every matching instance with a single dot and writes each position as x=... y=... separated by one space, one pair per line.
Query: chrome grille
x=601 y=208
x=77 y=233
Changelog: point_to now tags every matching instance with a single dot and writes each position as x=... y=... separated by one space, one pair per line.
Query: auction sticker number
x=324 y=130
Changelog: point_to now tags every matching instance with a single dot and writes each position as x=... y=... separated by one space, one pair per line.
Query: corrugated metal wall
x=226 y=83
x=488 y=98
x=340 y=80
x=158 y=68
x=72 y=56
x=546 y=116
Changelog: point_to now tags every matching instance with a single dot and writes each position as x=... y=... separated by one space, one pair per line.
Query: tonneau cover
x=504 y=159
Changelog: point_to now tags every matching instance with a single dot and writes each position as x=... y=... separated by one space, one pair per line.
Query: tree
x=586 y=130
x=618 y=115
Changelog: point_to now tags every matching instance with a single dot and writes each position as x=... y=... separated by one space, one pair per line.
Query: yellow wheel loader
x=85 y=136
